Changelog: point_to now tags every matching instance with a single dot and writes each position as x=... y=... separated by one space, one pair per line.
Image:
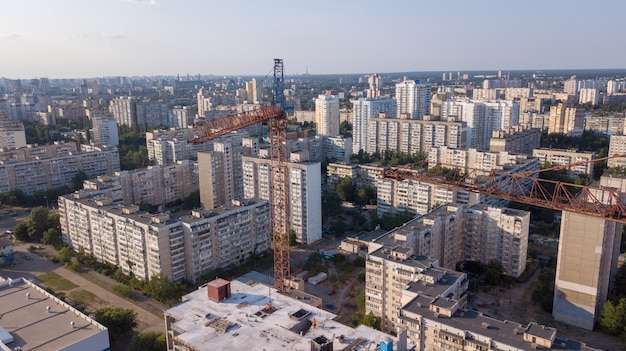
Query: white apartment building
x=589 y=96
x=139 y=243
x=482 y=117
x=145 y=113
x=39 y=168
x=499 y=234
x=564 y=157
x=222 y=175
x=105 y=129
x=148 y=244
x=418 y=197
x=362 y=110
x=412 y=136
x=304 y=193
x=327 y=115
x=166 y=147
x=182 y=117
x=615 y=86
x=337 y=148
x=124 y=110
x=413 y=98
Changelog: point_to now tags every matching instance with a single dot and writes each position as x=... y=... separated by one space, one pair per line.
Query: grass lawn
x=56 y=282
x=84 y=297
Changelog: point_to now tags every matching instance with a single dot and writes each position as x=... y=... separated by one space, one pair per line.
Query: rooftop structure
x=36 y=320
x=256 y=317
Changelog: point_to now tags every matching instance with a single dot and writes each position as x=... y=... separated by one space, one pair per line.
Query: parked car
x=330 y=306
x=332 y=292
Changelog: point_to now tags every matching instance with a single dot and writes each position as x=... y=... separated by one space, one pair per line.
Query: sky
x=101 y=38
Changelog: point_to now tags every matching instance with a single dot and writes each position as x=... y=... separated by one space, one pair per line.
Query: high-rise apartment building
x=145 y=245
x=417 y=197
x=606 y=125
x=252 y=91
x=362 y=110
x=225 y=236
x=144 y=114
x=570 y=86
x=500 y=234
x=40 y=168
x=104 y=128
x=562 y=157
x=124 y=110
x=303 y=190
x=586 y=262
x=12 y=133
x=589 y=96
x=617 y=146
x=390 y=270
x=182 y=117
x=566 y=120
x=166 y=147
x=327 y=115
x=412 y=136
x=518 y=139
x=413 y=98
x=482 y=117
x=222 y=176
x=205 y=104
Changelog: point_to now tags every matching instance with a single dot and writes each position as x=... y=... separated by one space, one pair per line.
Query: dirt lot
x=515 y=304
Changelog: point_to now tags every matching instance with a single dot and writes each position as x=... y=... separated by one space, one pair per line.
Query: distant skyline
x=97 y=38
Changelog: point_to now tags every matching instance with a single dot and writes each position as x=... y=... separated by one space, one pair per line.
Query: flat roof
x=34 y=327
x=503 y=332
x=239 y=323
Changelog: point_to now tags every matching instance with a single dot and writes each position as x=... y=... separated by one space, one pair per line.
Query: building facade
x=413 y=136
x=362 y=110
x=517 y=139
x=304 y=193
x=222 y=174
x=40 y=168
x=327 y=115
x=562 y=157
x=413 y=98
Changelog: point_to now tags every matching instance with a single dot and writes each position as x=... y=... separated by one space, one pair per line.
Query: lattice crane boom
x=274 y=115
x=526 y=187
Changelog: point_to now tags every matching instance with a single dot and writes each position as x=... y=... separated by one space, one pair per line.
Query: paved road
x=31 y=266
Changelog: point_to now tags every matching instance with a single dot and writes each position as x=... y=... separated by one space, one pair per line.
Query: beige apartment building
x=517 y=139
x=439 y=323
x=500 y=234
x=147 y=244
x=617 y=146
x=39 y=168
x=303 y=191
x=222 y=174
x=411 y=136
x=566 y=120
x=166 y=147
x=562 y=157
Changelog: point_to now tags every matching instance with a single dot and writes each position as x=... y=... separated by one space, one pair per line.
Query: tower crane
x=525 y=187
x=275 y=117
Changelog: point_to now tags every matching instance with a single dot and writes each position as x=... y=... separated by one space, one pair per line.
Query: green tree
x=346 y=189
x=152 y=341
x=54 y=221
x=52 y=236
x=65 y=255
x=613 y=316
x=372 y=321
x=493 y=275
x=161 y=288
x=331 y=204
x=119 y=321
x=37 y=222
x=122 y=290
x=21 y=231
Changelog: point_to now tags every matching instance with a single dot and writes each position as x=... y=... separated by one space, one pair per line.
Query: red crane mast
x=275 y=117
